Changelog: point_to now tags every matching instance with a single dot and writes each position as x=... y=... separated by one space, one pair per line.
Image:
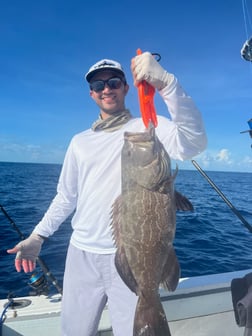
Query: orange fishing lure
x=146 y=94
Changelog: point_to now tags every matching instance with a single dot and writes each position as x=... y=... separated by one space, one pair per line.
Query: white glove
x=29 y=248
x=27 y=252
x=145 y=67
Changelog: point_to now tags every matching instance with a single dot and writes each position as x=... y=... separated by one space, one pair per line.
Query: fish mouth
x=144 y=152
x=140 y=147
x=139 y=137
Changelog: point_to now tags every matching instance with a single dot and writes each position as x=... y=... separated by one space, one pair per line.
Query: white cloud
x=224 y=156
x=224 y=160
x=22 y=152
x=248 y=159
x=206 y=159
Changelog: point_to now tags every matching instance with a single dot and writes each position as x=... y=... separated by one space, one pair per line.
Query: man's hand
x=27 y=252
x=145 y=67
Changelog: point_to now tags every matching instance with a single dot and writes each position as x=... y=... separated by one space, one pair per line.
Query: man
x=89 y=183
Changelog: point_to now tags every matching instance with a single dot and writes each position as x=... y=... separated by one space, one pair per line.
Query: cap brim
x=94 y=72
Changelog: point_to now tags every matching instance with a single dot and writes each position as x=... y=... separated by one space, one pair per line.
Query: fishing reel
x=39 y=284
x=38 y=281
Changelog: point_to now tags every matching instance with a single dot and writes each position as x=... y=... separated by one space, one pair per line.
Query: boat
x=200 y=306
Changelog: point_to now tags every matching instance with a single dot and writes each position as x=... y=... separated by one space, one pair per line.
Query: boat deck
x=201 y=306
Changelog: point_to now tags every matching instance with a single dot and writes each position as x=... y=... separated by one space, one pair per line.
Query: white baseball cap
x=105 y=64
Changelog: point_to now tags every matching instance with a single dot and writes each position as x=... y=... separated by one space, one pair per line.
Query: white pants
x=90 y=281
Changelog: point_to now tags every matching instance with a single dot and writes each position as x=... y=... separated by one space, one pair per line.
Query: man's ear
x=126 y=89
x=91 y=93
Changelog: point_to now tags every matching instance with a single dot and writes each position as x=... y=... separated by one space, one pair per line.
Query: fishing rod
x=35 y=279
x=235 y=211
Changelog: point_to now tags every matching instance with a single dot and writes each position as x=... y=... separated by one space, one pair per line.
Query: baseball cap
x=105 y=64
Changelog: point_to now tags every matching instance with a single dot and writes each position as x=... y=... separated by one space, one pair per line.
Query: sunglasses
x=113 y=83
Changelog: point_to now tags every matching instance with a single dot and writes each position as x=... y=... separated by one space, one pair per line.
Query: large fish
x=144 y=224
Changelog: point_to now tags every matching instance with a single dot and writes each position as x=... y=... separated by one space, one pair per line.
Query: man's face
x=109 y=100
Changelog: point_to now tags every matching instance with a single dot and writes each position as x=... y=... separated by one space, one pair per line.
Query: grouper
x=144 y=224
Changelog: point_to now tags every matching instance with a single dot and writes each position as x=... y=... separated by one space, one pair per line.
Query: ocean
x=211 y=239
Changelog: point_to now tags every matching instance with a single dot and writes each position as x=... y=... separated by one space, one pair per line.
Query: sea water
x=211 y=239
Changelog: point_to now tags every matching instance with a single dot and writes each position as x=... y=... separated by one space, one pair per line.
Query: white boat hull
x=201 y=306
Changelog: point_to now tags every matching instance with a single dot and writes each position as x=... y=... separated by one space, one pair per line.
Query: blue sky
x=47 y=46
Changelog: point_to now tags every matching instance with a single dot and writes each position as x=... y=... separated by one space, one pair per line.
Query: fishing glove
x=148 y=69
x=29 y=248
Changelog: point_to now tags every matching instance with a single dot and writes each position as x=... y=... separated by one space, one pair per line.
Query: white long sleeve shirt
x=90 y=179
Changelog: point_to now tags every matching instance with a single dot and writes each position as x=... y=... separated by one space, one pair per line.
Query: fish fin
x=150 y=319
x=182 y=203
x=115 y=223
x=121 y=261
x=171 y=272
x=123 y=268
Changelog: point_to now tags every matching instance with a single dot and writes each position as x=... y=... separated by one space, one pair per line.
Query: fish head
x=144 y=159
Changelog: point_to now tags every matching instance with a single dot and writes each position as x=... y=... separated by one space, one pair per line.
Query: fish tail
x=150 y=319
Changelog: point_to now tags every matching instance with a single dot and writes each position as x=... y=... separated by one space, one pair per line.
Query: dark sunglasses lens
x=99 y=85
x=114 y=83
